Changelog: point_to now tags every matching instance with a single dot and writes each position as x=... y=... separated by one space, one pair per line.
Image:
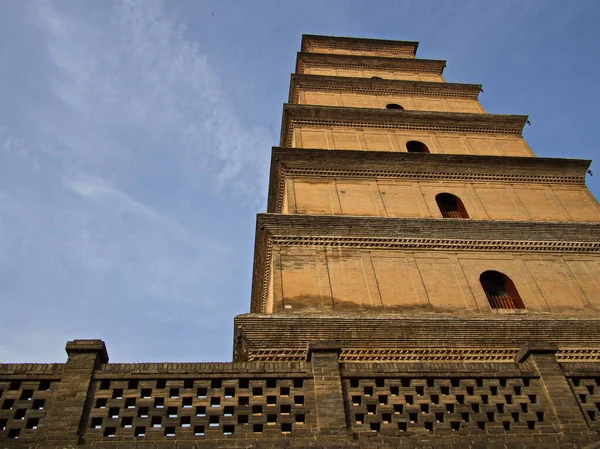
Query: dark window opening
x=393 y=106
x=414 y=146
x=451 y=206
x=500 y=291
x=376 y=78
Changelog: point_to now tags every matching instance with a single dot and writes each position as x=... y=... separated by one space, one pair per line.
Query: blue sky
x=135 y=138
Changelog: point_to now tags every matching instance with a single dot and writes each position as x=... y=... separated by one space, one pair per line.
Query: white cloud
x=95 y=188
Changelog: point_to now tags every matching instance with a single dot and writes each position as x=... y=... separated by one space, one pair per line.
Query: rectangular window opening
x=127 y=422
x=96 y=423
x=185 y=421
x=146 y=393
x=32 y=423
x=229 y=392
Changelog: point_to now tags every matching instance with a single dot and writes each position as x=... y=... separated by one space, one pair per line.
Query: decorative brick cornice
x=334 y=61
x=380 y=87
x=530 y=233
x=311 y=163
x=314 y=43
x=578 y=355
x=297 y=115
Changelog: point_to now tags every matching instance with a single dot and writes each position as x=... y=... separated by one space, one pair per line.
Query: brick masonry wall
x=531 y=402
x=415 y=198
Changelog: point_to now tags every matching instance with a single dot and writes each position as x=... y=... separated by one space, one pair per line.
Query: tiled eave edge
x=392 y=165
x=308 y=40
x=315 y=116
x=439 y=338
x=329 y=60
x=380 y=87
x=411 y=234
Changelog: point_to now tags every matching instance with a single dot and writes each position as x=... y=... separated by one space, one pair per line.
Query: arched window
x=393 y=106
x=376 y=78
x=451 y=206
x=500 y=291
x=414 y=146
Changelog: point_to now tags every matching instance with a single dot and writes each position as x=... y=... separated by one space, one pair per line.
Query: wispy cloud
x=120 y=144
x=137 y=88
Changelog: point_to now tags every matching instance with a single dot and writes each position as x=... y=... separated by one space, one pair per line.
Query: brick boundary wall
x=534 y=401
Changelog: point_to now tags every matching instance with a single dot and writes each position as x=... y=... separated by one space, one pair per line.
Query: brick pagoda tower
x=409 y=224
x=420 y=279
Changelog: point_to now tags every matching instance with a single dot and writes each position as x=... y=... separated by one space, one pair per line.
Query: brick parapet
x=532 y=401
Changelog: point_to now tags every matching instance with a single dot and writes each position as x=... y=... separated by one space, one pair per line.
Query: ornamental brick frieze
x=370 y=355
x=380 y=87
x=295 y=115
x=440 y=244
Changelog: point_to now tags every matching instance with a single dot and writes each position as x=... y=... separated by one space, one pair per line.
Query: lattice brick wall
x=400 y=405
x=587 y=392
x=200 y=408
x=22 y=407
